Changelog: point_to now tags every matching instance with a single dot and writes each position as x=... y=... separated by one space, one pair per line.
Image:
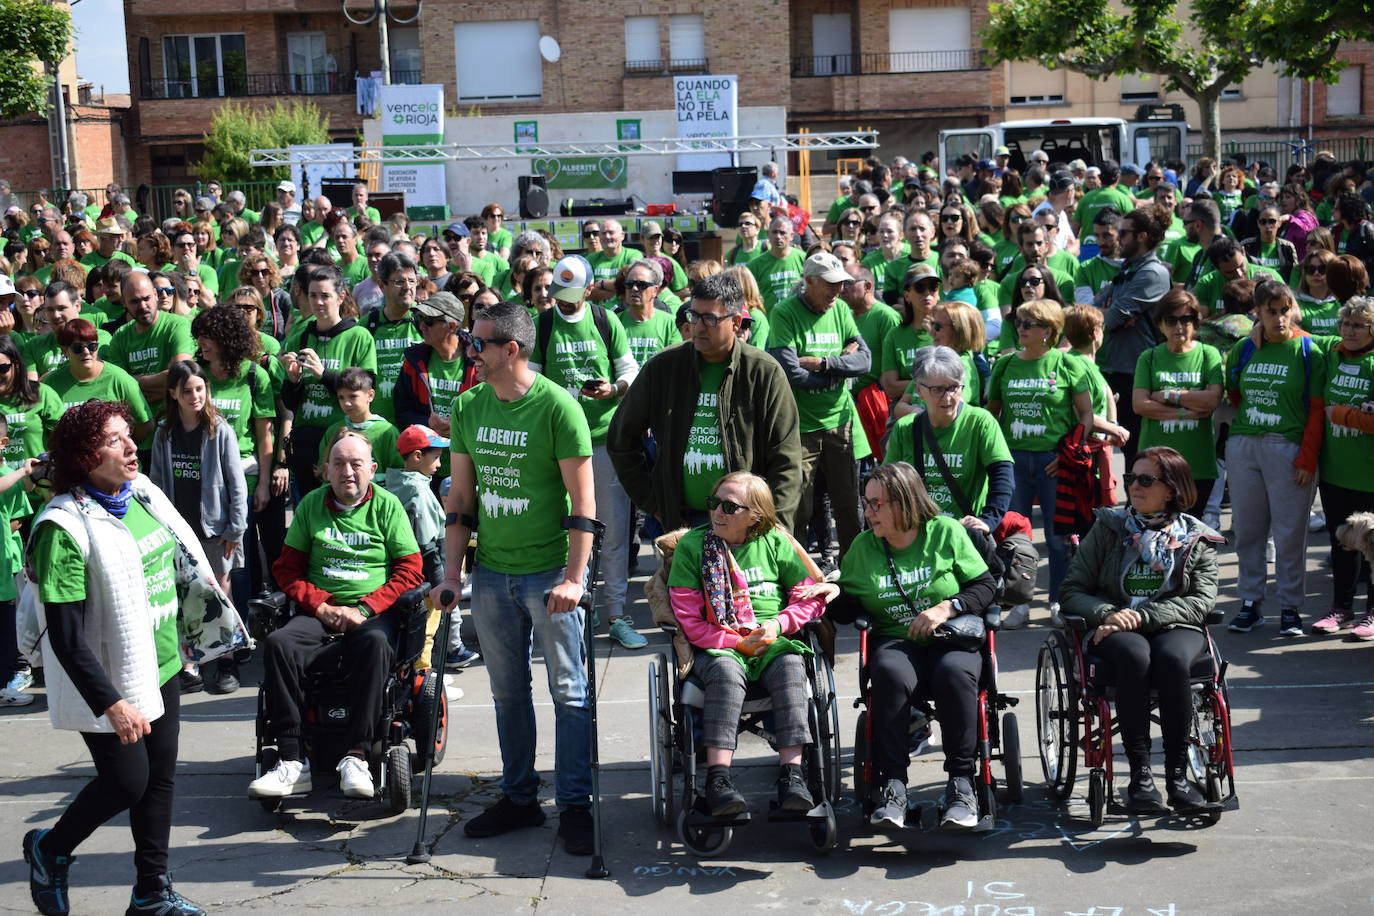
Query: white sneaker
x=1056 y=619
x=1316 y=521
x=354 y=778
x=288 y=777
x=9 y=697
x=1269 y=552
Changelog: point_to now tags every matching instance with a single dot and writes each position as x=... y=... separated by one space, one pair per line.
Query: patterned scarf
x=116 y=505
x=1155 y=537
x=727 y=594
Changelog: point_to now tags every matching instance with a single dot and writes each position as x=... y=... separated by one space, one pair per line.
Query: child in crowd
x=14 y=507
x=195 y=461
x=422 y=451
x=355 y=389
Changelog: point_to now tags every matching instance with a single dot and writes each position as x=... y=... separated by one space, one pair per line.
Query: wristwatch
x=957 y=606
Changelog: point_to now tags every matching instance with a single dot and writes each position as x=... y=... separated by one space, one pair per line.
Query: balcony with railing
x=249 y=85
x=884 y=62
x=686 y=67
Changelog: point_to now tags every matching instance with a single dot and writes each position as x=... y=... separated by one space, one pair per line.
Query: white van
x=1067 y=139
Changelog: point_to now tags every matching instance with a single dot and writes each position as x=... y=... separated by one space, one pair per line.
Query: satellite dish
x=549 y=49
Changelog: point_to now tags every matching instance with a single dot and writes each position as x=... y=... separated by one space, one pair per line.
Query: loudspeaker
x=534 y=197
x=730 y=189
x=596 y=206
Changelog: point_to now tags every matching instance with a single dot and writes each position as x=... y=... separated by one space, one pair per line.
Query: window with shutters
x=498 y=61
x=1344 y=98
x=686 y=43
x=643 y=51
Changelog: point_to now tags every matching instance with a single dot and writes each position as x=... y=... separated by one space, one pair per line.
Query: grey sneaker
x=1016 y=618
x=961 y=805
x=889 y=805
x=623 y=632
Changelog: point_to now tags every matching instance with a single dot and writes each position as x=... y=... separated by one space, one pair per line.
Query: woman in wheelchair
x=1145 y=577
x=349 y=555
x=738 y=588
x=912 y=572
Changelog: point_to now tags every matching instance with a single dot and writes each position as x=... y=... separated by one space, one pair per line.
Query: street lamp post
x=381 y=12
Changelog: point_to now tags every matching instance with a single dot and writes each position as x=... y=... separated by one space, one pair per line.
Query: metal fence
x=1280 y=153
x=880 y=62
x=156 y=200
x=251 y=85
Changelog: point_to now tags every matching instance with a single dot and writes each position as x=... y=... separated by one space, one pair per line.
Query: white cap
x=287 y=186
x=825 y=265
x=571 y=277
x=6 y=285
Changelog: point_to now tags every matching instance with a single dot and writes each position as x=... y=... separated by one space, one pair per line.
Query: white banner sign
x=707 y=106
x=414 y=116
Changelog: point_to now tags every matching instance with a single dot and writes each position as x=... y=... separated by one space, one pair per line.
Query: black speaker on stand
x=730 y=193
x=534 y=197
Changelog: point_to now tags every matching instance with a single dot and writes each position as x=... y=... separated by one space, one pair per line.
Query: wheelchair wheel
x=398 y=774
x=1097 y=797
x=703 y=841
x=1014 y=782
x=828 y=714
x=422 y=711
x=267 y=758
x=1056 y=714
x=862 y=775
x=660 y=741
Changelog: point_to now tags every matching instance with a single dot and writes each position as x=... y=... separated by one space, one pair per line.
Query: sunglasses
x=1032 y=281
x=259 y=272
x=852 y=222
x=84 y=347
x=1268 y=222
x=498 y=216
x=1176 y=320
x=873 y=505
x=1315 y=268
x=639 y=285
x=430 y=321
x=1145 y=480
x=165 y=290
x=1025 y=324
x=951 y=218
x=479 y=344
x=5 y=368
x=33 y=293
x=869 y=209
x=746 y=225
x=591 y=233
x=729 y=507
x=710 y=321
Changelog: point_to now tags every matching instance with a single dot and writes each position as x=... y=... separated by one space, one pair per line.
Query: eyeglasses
x=873 y=505
x=1354 y=325
x=1144 y=480
x=1026 y=324
x=1032 y=281
x=639 y=285
x=1317 y=268
x=1176 y=320
x=479 y=344
x=165 y=290
x=707 y=319
x=190 y=244
x=728 y=506
x=5 y=368
x=79 y=348
x=942 y=390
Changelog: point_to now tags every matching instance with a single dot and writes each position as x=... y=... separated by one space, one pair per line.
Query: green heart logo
x=549 y=168
x=611 y=167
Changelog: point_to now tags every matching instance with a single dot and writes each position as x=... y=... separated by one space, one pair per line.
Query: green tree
x=32 y=33
x=1198 y=49
x=237 y=129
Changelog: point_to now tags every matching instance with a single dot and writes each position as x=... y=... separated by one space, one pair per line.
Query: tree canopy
x=32 y=33
x=238 y=129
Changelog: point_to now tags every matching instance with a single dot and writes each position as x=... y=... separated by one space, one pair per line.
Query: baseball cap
x=287 y=186
x=414 y=438
x=1061 y=181
x=1131 y=168
x=442 y=305
x=6 y=285
x=987 y=165
x=571 y=277
x=1002 y=151
x=458 y=229
x=649 y=229
x=108 y=226
x=825 y=265
x=917 y=273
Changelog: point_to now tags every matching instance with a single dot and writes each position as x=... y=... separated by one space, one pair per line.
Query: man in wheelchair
x=349 y=556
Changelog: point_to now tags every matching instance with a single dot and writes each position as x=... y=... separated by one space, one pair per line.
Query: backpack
x=1012 y=559
x=1247 y=352
x=544 y=331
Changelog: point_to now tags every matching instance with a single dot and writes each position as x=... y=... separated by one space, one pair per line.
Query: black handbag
x=966 y=632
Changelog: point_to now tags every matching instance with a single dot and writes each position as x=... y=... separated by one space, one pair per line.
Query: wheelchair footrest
x=700 y=817
x=820 y=812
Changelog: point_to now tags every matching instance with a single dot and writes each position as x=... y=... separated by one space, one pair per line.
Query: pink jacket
x=689 y=607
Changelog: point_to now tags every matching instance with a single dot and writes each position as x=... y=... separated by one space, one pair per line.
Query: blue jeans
x=507 y=610
x=1034 y=485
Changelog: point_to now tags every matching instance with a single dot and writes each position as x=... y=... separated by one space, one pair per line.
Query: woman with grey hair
x=531 y=243
x=968 y=437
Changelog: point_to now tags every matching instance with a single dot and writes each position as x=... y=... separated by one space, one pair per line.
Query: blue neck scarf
x=117 y=504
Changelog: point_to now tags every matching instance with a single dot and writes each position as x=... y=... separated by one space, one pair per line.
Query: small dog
x=1358 y=534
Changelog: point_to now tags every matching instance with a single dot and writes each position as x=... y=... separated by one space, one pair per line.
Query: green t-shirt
x=1320 y=318
x=645 y=338
x=576 y=352
x=241 y=402
x=605 y=267
x=381 y=435
x=769 y=564
x=43 y=354
x=96 y=259
x=874 y=326
x=970 y=444
x=445 y=381
x=227 y=272
x=777 y=277
x=14 y=506
x=499 y=239
x=29 y=427
x=1097 y=384
x=1179 y=256
x=1092 y=275
x=372 y=214
x=1006 y=289
x=391 y=339
x=1271 y=388
x=1093 y=203
x=63 y=577
x=489 y=266
x=704 y=462
x=141 y=352
x=933 y=568
x=112 y=384
x=794 y=324
x=352 y=346
x=1141 y=581
x=1208 y=289
x=1037 y=398
x=894 y=272
x=355 y=272
x=515 y=448
x=899 y=349
x=311 y=232
x=350 y=551
x=1348 y=454
x=1200 y=368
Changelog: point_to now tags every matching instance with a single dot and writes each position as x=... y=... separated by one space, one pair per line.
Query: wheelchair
x=675 y=712
x=1073 y=710
x=998 y=739
x=409 y=696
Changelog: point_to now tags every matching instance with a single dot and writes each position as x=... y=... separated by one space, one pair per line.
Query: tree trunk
x=1209 y=105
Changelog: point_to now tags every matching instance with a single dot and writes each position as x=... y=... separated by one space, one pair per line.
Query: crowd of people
x=863 y=404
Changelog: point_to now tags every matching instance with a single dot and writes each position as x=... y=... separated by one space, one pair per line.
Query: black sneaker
x=1290 y=622
x=163 y=902
x=504 y=816
x=889 y=805
x=722 y=798
x=793 y=794
x=1142 y=797
x=575 y=829
x=961 y=805
x=47 y=876
x=1183 y=795
x=224 y=679
x=1247 y=619
x=189 y=681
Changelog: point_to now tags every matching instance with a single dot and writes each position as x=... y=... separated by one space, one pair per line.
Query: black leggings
x=138 y=778
x=1123 y=383
x=1135 y=664
x=1348 y=567
x=903 y=673
x=304 y=456
x=1204 y=493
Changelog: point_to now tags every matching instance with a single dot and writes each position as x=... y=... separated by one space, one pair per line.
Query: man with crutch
x=521 y=467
